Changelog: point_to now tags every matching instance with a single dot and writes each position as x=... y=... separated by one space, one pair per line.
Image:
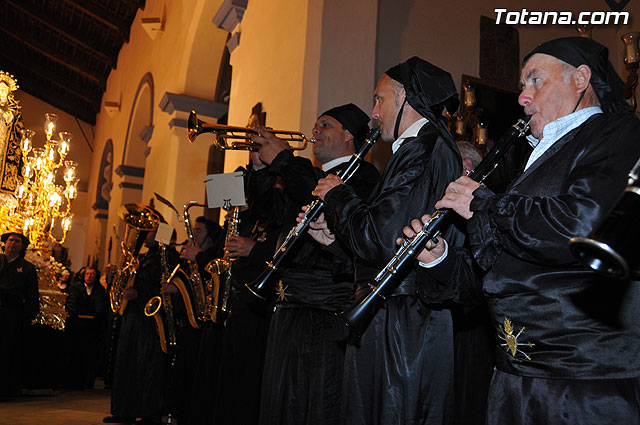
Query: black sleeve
x=71 y=305
x=457 y=278
x=299 y=175
x=32 y=302
x=415 y=179
x=100 y=301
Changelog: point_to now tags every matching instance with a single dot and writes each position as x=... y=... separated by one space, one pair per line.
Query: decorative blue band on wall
x=129 y=170
x=172 y=102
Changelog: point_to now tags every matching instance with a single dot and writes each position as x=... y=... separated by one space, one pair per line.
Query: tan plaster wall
x=448 y=33
x=183 y=59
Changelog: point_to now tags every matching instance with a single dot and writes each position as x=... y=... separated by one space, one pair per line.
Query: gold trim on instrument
x=140 y=220
x=239 y=138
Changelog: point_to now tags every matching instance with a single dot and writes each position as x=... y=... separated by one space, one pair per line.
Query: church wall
x=268 y=66
x=183 y=59
x=448 y=33
x=299 y=59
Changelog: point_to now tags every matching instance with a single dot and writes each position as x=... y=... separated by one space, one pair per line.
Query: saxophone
x=140 y=220
x=218 y=300
x=167 y=325
x=195 y=280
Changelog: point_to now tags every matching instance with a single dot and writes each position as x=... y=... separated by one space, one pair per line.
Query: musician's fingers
x=416 y=224
x=408 y=231
x=318 y=225
x=425 y=218
x=445 y=202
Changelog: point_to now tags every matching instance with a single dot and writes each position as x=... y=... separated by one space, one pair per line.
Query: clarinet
x=259 y=286
x=386 y=282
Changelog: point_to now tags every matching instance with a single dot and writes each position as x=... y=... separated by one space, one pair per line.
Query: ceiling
x=62 y=51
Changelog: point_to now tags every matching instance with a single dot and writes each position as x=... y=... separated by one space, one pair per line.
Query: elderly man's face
x=545 y=95
x=13 y=246
x=331 y=139
x=387 y=105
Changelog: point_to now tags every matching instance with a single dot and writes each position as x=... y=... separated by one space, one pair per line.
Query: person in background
x=198 y=359
x=139 y=378
x=86 y=306
x=64 y=281
x=19 y=305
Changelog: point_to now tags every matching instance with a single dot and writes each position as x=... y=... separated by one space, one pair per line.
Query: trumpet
x=239 y=138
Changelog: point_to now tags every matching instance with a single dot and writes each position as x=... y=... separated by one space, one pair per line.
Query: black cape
x=140 y=365
x=552 y=317
x=19 y=304
x=305 y=353
x=403 y=369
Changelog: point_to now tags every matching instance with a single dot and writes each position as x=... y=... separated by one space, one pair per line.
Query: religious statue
x=11 y=127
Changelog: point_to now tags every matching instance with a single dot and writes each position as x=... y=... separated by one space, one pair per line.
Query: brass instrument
x=166 y=325
x=195 y=280
x=140 y=220
x=218 y=300
x=610 y=248
x=238 y=138
x=217 y=268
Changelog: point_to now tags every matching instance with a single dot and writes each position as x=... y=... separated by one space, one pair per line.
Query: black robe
x=140 y=365
x=569 y=341
x=305 y=352
x=245 y=331
x=204 y=368
x=19 y=305
x=83 y=331
x=402 y=370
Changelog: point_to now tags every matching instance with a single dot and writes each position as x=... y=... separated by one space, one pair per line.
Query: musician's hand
x=256 y=162
x=238 y=246
x=458 y=196
x=271 y=145
x=432 y=251
x=129 y=294
x=326 y=184
x=189 y=252
x=318 y=229
x=168 y=288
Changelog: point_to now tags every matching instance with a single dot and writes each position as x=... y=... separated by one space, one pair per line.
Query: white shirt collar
x=411 y=131
x=335 y=162
x=555 y=130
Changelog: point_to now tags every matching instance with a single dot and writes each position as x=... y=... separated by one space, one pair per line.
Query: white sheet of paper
x=163 y=234
x=225 y=187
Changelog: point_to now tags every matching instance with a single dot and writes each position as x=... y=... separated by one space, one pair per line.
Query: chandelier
x=42 y=207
